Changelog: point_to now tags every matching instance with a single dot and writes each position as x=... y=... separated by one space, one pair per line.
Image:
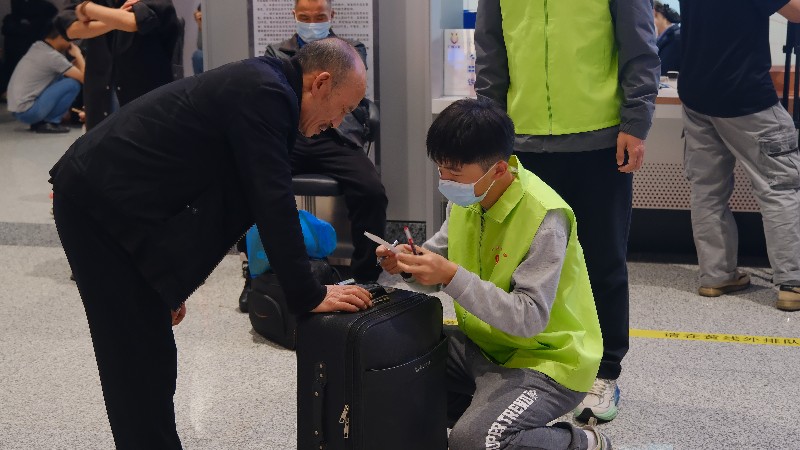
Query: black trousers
x=131 y=331
x=364 y=193
x=601 y=198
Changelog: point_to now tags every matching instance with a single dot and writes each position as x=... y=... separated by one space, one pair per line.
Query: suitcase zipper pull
x=346 y=421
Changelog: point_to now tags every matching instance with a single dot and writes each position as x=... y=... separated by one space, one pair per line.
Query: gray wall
x=225 y=31
x=5 y=9
x=405 y=101
x=185 y=10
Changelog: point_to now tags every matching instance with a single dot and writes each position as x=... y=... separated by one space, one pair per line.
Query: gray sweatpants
x=505 y=408
x=765 y=143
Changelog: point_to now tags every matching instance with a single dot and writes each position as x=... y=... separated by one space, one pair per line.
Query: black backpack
x=267 y=304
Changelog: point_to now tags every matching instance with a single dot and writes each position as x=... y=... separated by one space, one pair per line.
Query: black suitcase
x=267 y=308
x=375 y=379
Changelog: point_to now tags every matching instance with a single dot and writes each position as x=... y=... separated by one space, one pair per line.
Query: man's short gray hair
x=329 y=2
x=332 y=55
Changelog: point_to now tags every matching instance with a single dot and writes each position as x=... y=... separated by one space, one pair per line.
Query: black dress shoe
x=243 y=298
x=246 y=290
x=49 y=128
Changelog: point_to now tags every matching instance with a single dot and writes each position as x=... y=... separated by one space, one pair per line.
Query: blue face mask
x=310 y=32
x=463 y=194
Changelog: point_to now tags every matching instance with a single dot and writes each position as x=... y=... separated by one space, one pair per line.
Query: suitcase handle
x=320 y=379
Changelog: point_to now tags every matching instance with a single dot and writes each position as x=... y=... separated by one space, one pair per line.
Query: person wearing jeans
x=52 y=104
x=45 y=84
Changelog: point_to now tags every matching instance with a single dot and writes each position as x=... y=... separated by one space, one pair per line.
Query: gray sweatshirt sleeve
x=438 y=243
x=525 y=311
x=639 y=65
x=491 y=61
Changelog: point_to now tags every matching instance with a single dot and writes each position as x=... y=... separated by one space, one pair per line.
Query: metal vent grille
x=663 y=186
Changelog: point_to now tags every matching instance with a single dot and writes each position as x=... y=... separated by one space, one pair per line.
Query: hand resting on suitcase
x=344 y=298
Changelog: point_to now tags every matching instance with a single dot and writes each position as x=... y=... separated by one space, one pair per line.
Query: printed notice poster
x=459 y=62
x=273 y=22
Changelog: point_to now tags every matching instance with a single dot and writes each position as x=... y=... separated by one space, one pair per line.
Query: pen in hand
x=407 y=275
x=391 y=248
x=410 y=241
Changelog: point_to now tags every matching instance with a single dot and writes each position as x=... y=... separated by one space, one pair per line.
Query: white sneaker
x=603 y=442
x=601 y=402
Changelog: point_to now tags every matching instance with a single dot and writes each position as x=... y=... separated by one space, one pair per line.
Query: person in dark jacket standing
x=149 y=202
x=129 y=48
x=669 y=37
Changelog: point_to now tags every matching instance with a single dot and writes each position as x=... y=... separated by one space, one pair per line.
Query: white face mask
x=463 y=194
x=310 y=32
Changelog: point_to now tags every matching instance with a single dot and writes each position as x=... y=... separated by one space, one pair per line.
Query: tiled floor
x=236 y=391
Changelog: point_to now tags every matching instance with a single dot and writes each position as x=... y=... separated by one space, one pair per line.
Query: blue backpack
x=318 y=235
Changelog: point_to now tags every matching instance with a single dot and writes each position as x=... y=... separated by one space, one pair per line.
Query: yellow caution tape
x=706 y=337
x=717 y=337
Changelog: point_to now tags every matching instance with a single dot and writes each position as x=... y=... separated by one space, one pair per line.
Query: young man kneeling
x=528 y=342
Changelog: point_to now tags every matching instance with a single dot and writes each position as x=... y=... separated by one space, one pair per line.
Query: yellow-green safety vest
x=493 y=244
x=562 y=64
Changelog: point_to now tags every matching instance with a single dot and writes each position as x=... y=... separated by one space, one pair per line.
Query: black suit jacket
x=178 y=175
x=669 y=49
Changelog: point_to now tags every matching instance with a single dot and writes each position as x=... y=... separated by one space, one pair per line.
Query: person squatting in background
x=45 y=84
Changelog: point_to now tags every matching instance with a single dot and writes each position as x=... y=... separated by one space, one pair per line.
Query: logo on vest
x=498 y=251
